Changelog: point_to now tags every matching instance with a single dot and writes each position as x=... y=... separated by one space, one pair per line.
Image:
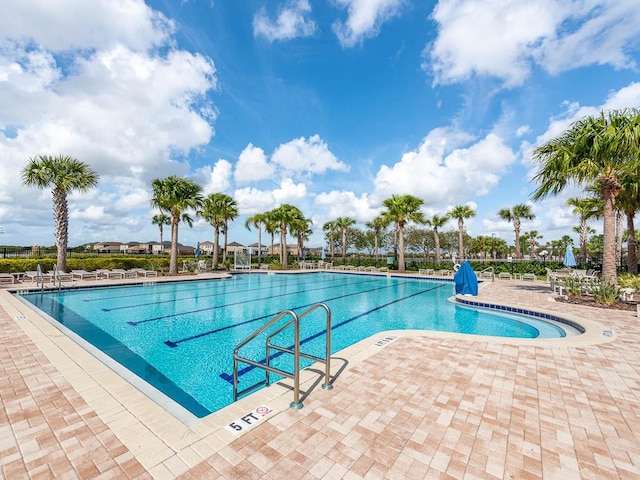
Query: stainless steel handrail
x=488 y=269
x=56 y=276
x=295 y=321
x=39 y=277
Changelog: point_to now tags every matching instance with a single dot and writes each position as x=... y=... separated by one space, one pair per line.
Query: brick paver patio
x=424 y=406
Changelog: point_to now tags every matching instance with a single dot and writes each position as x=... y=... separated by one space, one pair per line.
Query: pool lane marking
x=242 y=302
x=175 y=343
x=177 y=290
x=214 y=294
x=229 y=378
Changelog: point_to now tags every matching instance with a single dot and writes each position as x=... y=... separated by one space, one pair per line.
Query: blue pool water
x=180 y=336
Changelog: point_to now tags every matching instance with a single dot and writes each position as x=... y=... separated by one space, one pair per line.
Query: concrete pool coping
x=160 y=442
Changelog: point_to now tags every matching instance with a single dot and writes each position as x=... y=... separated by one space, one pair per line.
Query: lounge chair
x=62 y=276
x=506 y=275
x=126 y=273
x=32 y=275
x=108 y=274
x=7 y=278
x=141 y=272
x=84 y=275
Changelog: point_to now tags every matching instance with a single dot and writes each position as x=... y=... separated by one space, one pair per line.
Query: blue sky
x=332 y=106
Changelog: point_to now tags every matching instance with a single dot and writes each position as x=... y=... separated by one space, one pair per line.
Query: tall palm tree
x=176 y=196
x=65 y=174
x=597 y=149
x=330 y=228
x=161 y=220
x=301 y=229
x=378 y=224
x=531 y=238
x=271 y=227
x=514 y=214
x=629 y=200
x=258 y=221
x=586 y=208
x=214 y=211
x=228 y=211
x=286 y=215
x=401 y=209
x=343 y=224
x=436 y=222
x=460 y=212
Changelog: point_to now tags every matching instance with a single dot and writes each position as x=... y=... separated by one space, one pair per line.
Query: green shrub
x=605 y=291
x=626 y=280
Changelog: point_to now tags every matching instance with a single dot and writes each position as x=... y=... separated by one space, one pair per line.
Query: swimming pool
x=179 y=336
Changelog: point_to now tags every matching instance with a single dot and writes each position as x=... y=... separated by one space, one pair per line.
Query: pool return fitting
x=266 y=366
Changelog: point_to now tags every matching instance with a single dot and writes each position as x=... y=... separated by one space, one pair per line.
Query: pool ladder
x=266 y=366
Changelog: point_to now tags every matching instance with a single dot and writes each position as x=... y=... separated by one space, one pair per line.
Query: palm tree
x=258 y=221
x=215 y=209
x=176 y=196
x=514 y=214
x=286 y=215
x=228 y=211
x=343 y=224
x=600 y=150
x=377 y=225
x=531 y=238
x=330 y=228
x=629 y=200
x=161 y=220
x=586 y=208
x=436 y=222
x=401 y=209
x=461 y=212
x=301 y=229
x=271 y=227
x=65 y=174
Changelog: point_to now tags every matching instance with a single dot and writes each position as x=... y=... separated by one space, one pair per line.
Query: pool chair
x=109 y=274
x=84 y=275
x=7 y=278
x=141 y=272
x=126 y=273
x=62 y=276
x=33 y=275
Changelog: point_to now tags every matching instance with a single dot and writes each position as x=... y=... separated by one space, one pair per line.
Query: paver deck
x=426 y=405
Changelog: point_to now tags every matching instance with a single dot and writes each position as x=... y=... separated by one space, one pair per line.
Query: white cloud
x=442 y=172
x=292 y=22
x=94 y=85
x=304 y=156
x=252 y=200
x=364 y=19
x=84 y=25
x=346 y=204
x=252 y=166
x=215 y=179
x=506 y=39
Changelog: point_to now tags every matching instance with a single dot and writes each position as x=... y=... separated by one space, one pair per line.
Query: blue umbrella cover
x=569 y=259
x=465 y=280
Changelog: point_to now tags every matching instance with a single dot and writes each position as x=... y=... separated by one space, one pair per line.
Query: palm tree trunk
x=259 y=246
x=619 y=236
x=173 y=262
x=224 y=251
x=216 y=248
x=583 y=241
x=609 y=237
x=632 y=256
x=344 y=245
x=516 y=230
x=400 y=248
x=436 y=239
x=460 y=240
x=61 y=214
x=283 y=247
